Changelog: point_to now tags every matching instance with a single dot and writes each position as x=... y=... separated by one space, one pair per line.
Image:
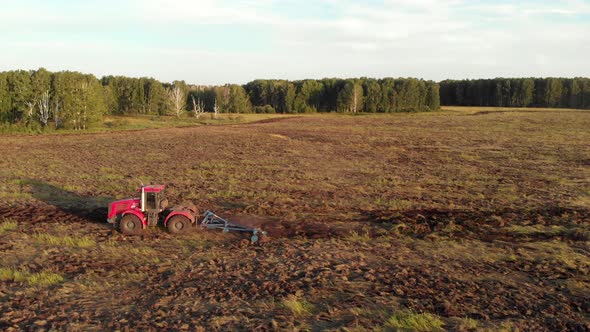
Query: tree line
x=66 y=99
x=75 y=100
x=517 y=92
x=326 y=95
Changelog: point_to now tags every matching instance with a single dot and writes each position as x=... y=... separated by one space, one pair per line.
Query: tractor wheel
x=178 y=225
x=130 y=225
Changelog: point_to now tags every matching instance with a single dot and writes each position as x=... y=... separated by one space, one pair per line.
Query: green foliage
x=308 y=97
x=352 y=95
x=409 y=95
x=76 y=100
x=279 y=94
x=40 y=81
x=518 y=92
x=266 y=109
x=350 y=98
x=19 y=94
x=373 y=95
x=20 y=128
x=126 y=95
x=238 y=100
x=433 y=97
x=4 y=98
x=204 y=95
x=232 y=98
x=80 y=98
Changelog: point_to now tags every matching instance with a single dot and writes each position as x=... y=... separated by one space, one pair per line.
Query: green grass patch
x=408 y=320
x=7 y=274
x=43 y=278
x=69 y=241
x=297 y=306
x=559 y=253
x=467 y=324
x=358 y=237
x=7 y=225
x=111 y=123
x=572 y=231
x=532 y=230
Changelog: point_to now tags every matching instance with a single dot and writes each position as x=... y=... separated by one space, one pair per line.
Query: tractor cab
x=152 y=199
x=152 y=202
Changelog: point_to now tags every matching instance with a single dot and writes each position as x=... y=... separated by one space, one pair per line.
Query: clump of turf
x=408 y=320
x=43 y=278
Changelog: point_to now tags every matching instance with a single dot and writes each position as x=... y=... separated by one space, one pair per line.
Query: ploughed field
x=458 y=220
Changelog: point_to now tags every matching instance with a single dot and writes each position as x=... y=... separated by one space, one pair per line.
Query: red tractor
x=131 y=216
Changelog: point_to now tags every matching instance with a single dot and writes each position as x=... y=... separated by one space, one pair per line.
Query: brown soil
x=352 y=230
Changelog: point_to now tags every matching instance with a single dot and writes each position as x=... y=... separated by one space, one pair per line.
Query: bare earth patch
x=381 y=222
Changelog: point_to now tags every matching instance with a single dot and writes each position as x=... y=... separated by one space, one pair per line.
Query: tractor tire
x=178 y=225
x=130 y=225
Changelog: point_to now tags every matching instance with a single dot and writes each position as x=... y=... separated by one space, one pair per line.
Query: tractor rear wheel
x=178 y=225
x=130 y=225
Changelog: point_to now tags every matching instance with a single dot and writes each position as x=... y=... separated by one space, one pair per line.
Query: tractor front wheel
x=178 y=225
x=130 y=225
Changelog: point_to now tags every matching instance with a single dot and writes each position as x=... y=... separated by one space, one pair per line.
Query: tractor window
x=151 y=201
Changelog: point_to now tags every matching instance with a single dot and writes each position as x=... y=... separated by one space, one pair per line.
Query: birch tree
x=178 y=99
x=215 y=109
x=198 y=107
x=350 y=98
x=30 y=109
x=44 y=108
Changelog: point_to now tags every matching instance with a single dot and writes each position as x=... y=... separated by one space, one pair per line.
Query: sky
x=236 y=41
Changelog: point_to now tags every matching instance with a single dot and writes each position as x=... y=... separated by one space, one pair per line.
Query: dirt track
x=353 y=233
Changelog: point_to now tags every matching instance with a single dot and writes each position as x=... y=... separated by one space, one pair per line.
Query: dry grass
x=557 y=252
x=480 y=205
x=468 y=324
x=404 y=162
x=9 y=274
x=66 y=240
x=7 y=225
x=297 y=307
x=407 y=320
x=43 y=278
x=359 y=237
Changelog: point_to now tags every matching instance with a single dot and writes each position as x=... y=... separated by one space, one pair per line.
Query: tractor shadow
x=91 y=208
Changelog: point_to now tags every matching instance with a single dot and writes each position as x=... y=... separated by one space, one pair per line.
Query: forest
x=73 y=100
x=518 y=92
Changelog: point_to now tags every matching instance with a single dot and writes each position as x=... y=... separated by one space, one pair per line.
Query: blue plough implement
x=213 y=221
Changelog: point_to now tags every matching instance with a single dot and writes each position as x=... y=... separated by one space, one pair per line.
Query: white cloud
x=435 y=39
x=204 y=12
